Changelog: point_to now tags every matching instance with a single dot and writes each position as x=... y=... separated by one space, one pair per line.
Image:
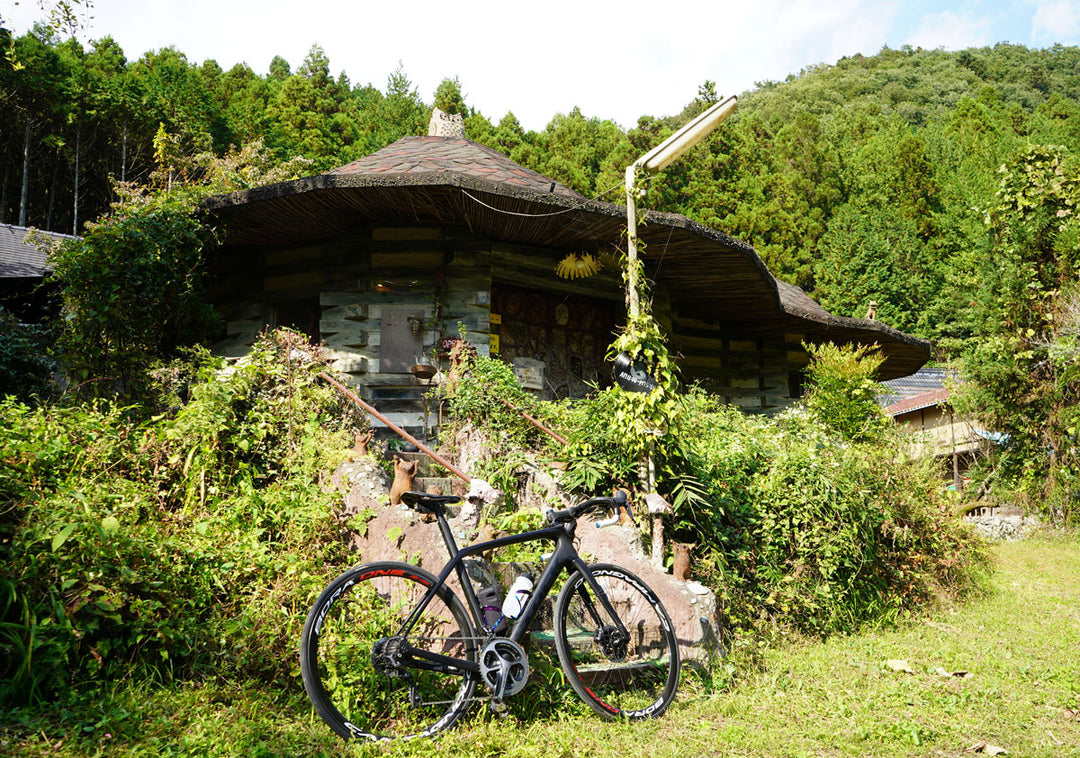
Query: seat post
x=444 y=527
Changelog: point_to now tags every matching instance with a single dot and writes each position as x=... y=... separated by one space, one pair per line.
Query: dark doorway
x=301 y=315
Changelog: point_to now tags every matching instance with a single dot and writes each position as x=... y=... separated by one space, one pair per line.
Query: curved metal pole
x=659 y=157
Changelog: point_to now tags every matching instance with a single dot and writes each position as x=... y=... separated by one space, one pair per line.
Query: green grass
x=1020 y=645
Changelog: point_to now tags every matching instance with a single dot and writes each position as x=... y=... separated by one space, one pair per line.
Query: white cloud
x=1055 y=21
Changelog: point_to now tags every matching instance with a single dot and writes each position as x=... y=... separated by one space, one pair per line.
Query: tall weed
x=187 y=543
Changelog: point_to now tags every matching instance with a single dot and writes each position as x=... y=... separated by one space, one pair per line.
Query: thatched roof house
x=459 y=233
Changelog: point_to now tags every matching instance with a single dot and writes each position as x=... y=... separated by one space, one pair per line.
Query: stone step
x=389 y=391
x=445 y=485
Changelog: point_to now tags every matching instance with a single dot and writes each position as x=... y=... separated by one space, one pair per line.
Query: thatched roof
x=455 y=182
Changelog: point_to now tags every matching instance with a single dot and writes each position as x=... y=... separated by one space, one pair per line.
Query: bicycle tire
x=633 y=683
x=355 y=610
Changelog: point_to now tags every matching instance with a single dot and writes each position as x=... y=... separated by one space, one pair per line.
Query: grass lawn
x=1001 y=671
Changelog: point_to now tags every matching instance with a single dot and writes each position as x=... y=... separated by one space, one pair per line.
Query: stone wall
x=1007 y=526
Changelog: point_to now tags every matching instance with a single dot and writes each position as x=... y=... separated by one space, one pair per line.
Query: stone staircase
x=403 y=403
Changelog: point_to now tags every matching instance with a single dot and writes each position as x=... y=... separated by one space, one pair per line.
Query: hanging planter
x=423 y=371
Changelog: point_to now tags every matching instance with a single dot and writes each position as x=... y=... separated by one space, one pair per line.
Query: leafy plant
x=26 y=363
x=842 y=391
x=167 y=547
x=1021 y=372
x=480 y=397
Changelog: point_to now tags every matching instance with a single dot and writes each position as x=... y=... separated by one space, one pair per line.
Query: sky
x=613 y=60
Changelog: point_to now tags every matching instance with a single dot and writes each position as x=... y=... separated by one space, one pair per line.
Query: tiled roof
x=19 y=260
x=923 y=380
x=448 y=155
x=926 y=399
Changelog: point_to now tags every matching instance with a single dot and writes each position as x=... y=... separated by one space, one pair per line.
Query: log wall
x=444 y=278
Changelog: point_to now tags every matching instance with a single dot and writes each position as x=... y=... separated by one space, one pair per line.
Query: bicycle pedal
x=499 y=708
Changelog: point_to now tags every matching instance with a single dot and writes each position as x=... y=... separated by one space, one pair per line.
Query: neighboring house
x=22 y=270
x=921 y=403
x=386 y=257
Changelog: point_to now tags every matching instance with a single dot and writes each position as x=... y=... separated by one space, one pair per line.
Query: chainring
x=504 y=667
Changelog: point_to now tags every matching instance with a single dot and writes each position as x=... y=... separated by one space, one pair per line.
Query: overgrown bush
x=842 y=392
x=810 y=531
x=26 y=363
x=133 y=285
x=190 y=543
x=817 y=520
x=479 y=395
x=484 y=394
x=132 y=290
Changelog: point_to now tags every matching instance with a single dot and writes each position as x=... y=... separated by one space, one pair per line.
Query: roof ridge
x=452 y=155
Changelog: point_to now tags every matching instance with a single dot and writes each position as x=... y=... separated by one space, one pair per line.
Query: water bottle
x=518 y=595
x=494 y=617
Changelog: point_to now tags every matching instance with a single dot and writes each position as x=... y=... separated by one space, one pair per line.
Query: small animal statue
x=461 y=358
x=360 y=449
x=404 y=474
x=681 y=568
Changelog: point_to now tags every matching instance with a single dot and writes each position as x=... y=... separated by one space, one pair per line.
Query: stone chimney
x=446 y=124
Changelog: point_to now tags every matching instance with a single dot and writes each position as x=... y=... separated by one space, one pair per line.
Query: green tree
x=400 y=112
x=842 y=390
x=575 y=150
x=174 y=93
x=132 y=290
x=871 y=254
x=133 y=285
x=1016 y=385
x=449 y=98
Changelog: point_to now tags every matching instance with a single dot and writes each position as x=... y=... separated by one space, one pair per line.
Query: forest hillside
x=942 y=186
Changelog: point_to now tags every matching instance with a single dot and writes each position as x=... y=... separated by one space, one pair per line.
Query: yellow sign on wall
x=493 y=344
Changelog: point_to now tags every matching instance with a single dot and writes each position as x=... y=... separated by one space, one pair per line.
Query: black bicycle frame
x=564 y=556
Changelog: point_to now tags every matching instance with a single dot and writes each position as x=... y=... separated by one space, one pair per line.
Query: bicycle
x=389 y=650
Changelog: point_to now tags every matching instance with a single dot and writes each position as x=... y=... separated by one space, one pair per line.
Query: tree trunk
x=4 y=184
x=75 y=203
x=53 y=191
x=24 y=199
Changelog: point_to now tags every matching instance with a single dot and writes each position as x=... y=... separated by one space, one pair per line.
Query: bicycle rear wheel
x=634 y=677
x=358 y=698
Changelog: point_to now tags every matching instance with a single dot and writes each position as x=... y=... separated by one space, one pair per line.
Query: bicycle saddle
x=425 y=502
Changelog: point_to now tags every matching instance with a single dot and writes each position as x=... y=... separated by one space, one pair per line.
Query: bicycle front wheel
x=355 y=682
x=619 y=676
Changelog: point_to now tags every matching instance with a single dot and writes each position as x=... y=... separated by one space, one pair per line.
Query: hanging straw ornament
x=575 y=266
